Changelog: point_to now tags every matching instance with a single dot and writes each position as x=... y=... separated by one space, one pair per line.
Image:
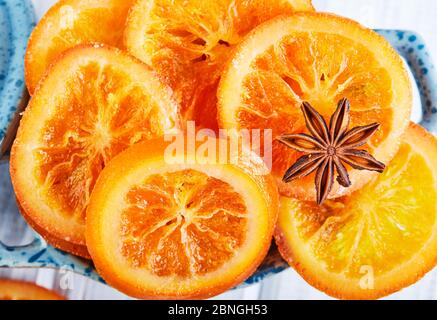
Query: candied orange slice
x=20 y=290
x=375 y=241
x=318 y=58
x=189 y=229
x=69 y=23
x=95 y=102
x=189 y=42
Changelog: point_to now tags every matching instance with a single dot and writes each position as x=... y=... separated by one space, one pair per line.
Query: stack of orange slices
x=90 y=164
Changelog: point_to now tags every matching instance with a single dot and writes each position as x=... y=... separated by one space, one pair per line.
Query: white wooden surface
x=418 y=15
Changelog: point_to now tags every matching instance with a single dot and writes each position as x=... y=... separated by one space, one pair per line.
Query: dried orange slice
x=20 y=290
x=318 y=58
x=69 y=23
x=95 y=102
x=375 y=241
x=189 y=42
x=188 y=229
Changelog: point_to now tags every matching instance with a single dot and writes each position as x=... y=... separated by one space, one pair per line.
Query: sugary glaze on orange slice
x=69 y=23
x=377 y=240
x=93 y=103
x=189 y=43
x=319 y=58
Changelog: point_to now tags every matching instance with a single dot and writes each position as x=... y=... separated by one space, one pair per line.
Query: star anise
x=330 y=148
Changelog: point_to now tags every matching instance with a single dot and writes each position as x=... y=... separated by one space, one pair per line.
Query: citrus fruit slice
x=69 y=23
x=189 y=42
x=318 y=58
x=375 y=241
x=20 y=290
x=189 y=229
x=75 y=249
x=95 y=102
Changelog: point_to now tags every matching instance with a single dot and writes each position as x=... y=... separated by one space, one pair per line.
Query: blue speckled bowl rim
x=409 y=44
x=21 y=18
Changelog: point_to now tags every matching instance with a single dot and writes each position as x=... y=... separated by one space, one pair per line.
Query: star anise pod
x=328 y=149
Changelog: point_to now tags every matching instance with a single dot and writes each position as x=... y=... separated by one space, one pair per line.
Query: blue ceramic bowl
x=39 y=254
x=17 y=19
